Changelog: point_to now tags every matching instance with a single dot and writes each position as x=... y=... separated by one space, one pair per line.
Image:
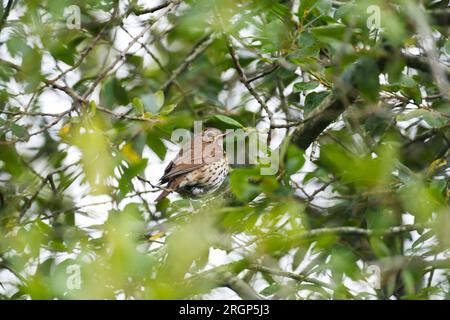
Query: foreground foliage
x=360 y=115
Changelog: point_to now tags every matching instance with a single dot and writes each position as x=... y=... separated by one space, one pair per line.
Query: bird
x=200 y=167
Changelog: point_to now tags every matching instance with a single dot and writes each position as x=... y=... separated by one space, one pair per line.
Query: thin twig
x=360 y=231
x=139 y=11
x=122 y=53
x=263 y=74
x=243 y=77
x=91 y=46
x=295 y=276
x=198 y=49
x=6 y=14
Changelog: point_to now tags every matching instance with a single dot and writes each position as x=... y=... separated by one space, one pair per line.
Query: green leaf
x=343 y=261
x=125 y=181
x=159 y=96
x=12 y=163
x=16 y=45
x=303 y=86
x=306 y=6
x=112 y=93
x=435 y=119
x=31 y=68
x=242 y=183
x=138 y=105
x=411 y=115
x=313 y=100
x=366 y=77
x=229 y=121
x=66 y=181
x=299 y=256
x=163 y=205
x=447 y=47
x=295 y=159
x=158 y=147
x=62 y=53
x=409 y=281
x=379 y=247
x=134 y=60
x=314 y=288
x=424 y=237
x=92 y=109
x=19 y=131
x=272 y=289
x=334 y=31
x=167 y=109
x=153 y=101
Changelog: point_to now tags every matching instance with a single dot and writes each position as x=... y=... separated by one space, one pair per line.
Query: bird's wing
x=186 y=161
x=172 y=185
x=179 y=170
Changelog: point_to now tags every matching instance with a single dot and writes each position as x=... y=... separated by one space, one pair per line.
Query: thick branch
x=421 y=63
x=440 y=16
x=308 y=131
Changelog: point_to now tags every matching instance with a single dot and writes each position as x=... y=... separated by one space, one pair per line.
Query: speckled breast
x=204 y=180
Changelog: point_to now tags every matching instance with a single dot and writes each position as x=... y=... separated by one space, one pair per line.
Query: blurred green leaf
x=113 y=93
x=155 y=143
x=138 y=105
x=366 y=77
x=270 y=290
x=304 y=86
x=313 y=100
x=230 y=121
x=294 y=160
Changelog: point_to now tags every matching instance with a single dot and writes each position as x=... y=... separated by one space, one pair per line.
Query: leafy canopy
x=355 y=93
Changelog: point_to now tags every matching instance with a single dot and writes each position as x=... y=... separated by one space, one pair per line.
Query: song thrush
x=200 y=167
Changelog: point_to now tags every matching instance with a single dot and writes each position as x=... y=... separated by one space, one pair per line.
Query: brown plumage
x=199 y=168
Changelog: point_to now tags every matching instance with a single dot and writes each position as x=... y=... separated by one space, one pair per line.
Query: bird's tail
x=171 y=186
x=162 y=195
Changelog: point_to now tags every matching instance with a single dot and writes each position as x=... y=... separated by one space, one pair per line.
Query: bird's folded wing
x=178 y=170
x=186 y=161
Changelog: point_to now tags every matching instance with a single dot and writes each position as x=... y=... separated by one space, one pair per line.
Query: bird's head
x=211 y=134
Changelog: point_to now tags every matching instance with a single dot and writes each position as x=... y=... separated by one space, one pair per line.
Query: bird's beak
x=222 y=135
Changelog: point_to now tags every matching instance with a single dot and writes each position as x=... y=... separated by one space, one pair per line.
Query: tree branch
x=122 y=53
x=321 y=117
x=360 y=231
x=6 y=14
x=76 y=99
x=243 y=289
x=440 y=16
x=295 y=276
x=264 y=73
x=421 y=63
x=199 y=47
x=93 y=43
x=243 y=76
x=138 y=11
